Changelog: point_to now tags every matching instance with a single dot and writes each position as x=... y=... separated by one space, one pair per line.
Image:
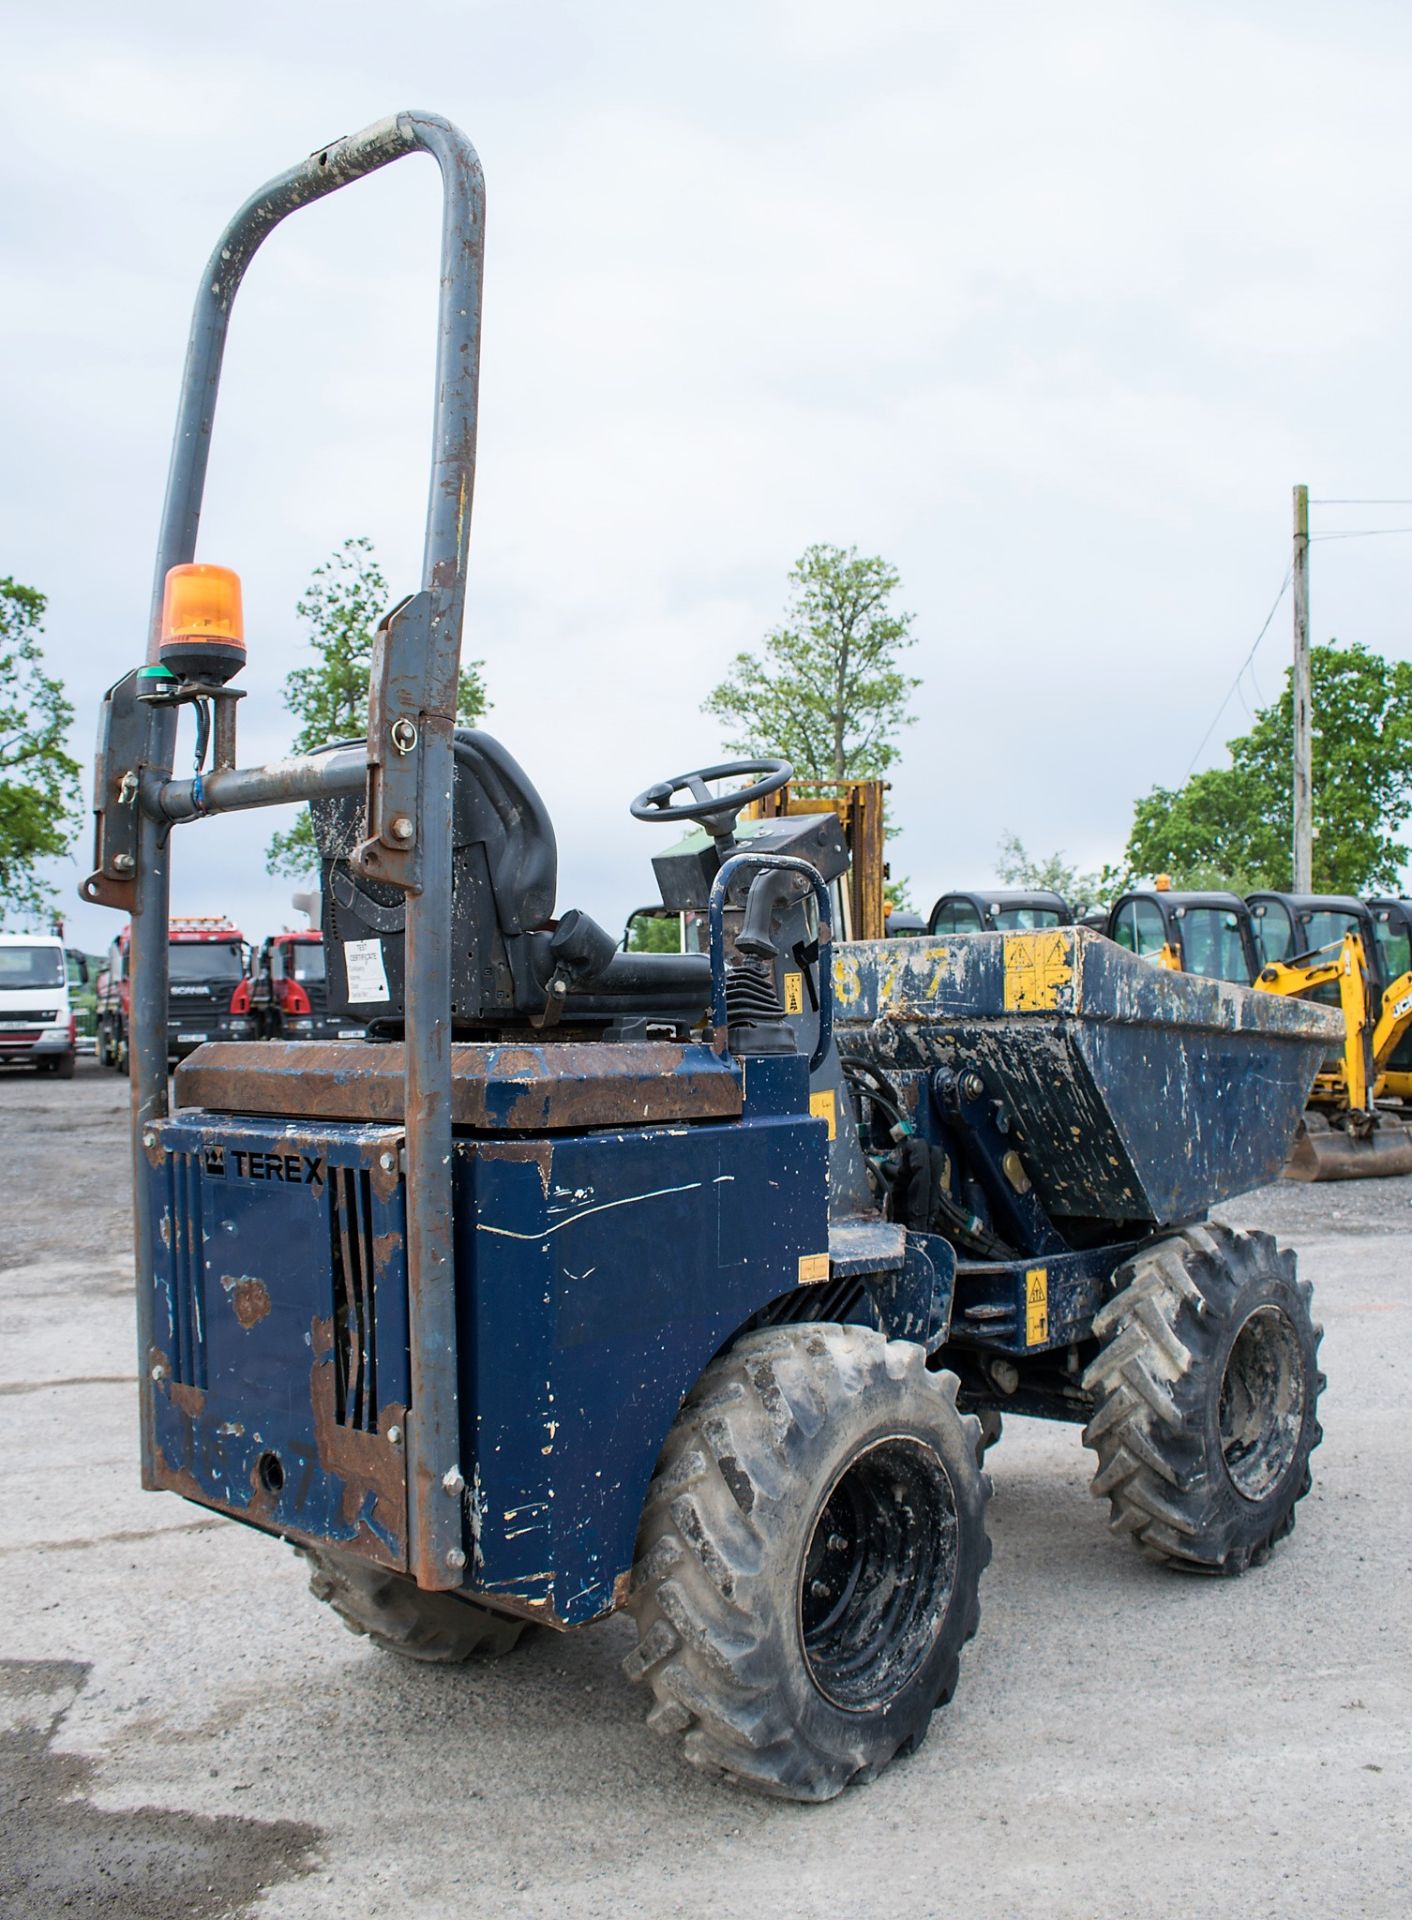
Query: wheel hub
x=878 y=1573
x=1262 y=1403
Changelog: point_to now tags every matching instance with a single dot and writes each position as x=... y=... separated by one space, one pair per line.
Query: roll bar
x=413 y=699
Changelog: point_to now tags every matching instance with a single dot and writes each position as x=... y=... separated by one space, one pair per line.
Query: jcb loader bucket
x=1332 y=1153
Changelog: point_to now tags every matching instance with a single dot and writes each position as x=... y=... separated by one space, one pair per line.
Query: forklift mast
x=859 y=807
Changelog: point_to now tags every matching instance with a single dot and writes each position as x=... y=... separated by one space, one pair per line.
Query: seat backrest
x=504 y=874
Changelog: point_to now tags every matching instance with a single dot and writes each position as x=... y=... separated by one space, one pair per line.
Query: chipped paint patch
x=248 y=1296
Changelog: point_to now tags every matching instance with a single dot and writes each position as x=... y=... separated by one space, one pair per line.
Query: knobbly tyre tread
x=1165 y=1332
x=705 y=1597
x=401 y=1617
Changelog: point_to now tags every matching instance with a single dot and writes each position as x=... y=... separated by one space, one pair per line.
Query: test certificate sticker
x=367 y=977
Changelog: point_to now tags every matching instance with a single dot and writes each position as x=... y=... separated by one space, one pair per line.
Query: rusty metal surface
x=556 y=1085
x=241 y=1288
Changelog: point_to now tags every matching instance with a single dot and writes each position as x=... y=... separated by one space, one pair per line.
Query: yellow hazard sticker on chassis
x=1036 y=1306
x=813 y=1267
x=794 y=993
x=823 y=1107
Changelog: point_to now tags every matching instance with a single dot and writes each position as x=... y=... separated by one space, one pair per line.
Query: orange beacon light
x=203 y=629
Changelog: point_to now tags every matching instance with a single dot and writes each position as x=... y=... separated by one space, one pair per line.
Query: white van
x=37 y=1025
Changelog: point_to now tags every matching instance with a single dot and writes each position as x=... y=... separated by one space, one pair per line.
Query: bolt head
x=149 y=1139
x=159 y=1372
x=404 y=736
x=402 y=828
x=453 y=1480
x=123 y=863
x=386 y=1162
x=394 y=1436
x=455 y=1558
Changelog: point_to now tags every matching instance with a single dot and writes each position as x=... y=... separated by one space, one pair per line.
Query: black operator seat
x=508 y=961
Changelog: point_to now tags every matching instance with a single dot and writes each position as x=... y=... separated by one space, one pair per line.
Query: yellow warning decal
x=1036 y=1306
x=794 y=993
x=821 y=1105
x=1037 y=965
x=812 y=1267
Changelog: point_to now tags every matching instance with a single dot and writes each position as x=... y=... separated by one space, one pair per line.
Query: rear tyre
x=65 y=1067
x=808 y=1559
x=401 y=1617
x=1205 y=1399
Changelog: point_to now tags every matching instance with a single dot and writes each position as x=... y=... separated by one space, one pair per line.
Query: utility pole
x=1303 y=750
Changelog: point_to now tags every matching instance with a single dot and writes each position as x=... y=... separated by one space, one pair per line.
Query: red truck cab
x=289 y=994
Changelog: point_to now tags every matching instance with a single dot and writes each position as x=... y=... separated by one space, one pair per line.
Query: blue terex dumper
x=693 y=1284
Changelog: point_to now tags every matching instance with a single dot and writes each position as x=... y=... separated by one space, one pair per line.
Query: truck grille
x=41 y=1016
x=355 y=1326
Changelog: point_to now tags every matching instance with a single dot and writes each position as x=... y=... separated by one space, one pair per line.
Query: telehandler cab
x=1206 y=933
x=603 y=1280
x=1002 y=910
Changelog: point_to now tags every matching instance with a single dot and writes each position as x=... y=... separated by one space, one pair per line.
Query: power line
x=1360 y=533
x=1360 y=503
x=1215 y=718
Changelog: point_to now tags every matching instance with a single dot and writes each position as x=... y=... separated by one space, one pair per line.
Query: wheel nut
x=820 y=1589
x=837 y=1543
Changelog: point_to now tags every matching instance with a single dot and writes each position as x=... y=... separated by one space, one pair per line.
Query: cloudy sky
x=1051 y=306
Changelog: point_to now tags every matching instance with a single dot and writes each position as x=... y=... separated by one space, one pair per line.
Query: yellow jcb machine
x=1327 y=947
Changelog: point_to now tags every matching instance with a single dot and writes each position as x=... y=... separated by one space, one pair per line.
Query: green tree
x=39 y=791
x=1233 y=826
x=654 y=933
x=1017 y=867
x=825 y=690
x=345 y=599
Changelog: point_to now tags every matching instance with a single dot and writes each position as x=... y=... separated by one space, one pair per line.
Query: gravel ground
x=183 y=1731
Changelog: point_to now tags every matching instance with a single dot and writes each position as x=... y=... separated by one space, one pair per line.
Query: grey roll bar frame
x=415 y=672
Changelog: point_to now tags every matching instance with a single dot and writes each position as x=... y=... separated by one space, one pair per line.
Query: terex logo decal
x=288 y=1169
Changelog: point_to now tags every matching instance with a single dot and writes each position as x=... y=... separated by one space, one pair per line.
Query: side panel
x=278 y=1376
x=598 y=1275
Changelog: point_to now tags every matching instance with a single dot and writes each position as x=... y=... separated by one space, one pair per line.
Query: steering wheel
x=717 y=812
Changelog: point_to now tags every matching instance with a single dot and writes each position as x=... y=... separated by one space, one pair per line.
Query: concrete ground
x=184 y=1731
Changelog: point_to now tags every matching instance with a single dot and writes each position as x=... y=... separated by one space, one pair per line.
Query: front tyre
x=808 y=1559
x=1205 y=1399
